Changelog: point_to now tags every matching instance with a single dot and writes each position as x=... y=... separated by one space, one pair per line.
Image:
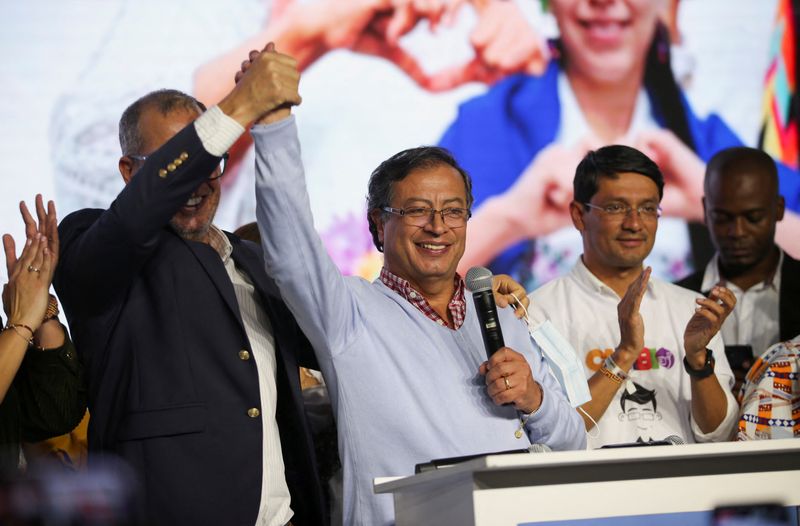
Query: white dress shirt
x=218 y=132
x=754 y=321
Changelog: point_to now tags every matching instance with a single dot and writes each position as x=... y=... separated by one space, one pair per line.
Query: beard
x=197 y=233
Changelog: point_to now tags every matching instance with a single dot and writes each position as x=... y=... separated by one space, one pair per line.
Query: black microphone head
x=674 y=440
x=478 y=279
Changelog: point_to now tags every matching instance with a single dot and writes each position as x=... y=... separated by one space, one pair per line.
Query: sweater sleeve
x=309 y=281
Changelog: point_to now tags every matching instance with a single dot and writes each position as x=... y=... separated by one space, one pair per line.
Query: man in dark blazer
x=191 y=356
x=742 y=206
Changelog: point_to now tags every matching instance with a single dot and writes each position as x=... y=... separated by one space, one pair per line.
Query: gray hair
x=163 y=100
x=396 y=168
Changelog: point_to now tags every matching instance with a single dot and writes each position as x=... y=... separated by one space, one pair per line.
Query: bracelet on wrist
x=615 y=369
x=523 y=419
x=15 y=328
x=611 y=376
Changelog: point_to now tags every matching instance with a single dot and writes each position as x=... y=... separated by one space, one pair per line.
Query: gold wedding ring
x=508 y=385
x=31 y=268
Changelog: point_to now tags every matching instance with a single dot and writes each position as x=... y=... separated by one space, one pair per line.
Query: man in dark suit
x=191 y=355
x=742 y=206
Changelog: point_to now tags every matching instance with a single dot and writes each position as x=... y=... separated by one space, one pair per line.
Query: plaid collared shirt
x=457 y=305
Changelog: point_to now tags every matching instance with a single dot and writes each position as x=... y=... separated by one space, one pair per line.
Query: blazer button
x=253 y=412
x=171 y=167
x=162 y=173
x=178 y=161
x=184 y=155
x=244 y=355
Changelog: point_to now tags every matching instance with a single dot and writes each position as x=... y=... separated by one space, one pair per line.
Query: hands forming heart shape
x=503 y=41
x=541 y=195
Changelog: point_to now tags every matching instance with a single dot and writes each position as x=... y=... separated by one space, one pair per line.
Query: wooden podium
x=499 y=490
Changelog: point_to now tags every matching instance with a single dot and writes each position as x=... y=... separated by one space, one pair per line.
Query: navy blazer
x=156 y=322
x=788 y=296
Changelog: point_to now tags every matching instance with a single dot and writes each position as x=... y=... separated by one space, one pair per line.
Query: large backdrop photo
x=505 y=85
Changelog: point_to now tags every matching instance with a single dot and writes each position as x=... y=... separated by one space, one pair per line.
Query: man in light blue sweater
x=403 y=356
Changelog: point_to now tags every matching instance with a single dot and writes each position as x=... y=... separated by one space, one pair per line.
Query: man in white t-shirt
x=653 y=341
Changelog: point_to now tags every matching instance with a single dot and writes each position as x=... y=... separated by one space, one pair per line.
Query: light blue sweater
x=404 y=388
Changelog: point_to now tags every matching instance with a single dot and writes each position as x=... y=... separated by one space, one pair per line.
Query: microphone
x=479 y=281
x=672 y=440
x=447 y=462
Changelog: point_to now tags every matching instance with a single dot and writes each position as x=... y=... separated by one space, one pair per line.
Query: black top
x=47 y=398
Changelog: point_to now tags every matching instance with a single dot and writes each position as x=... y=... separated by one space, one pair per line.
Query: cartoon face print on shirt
x=639 y=409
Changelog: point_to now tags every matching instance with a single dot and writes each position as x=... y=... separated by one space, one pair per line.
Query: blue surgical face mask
x=561 y=358
x=563 y=362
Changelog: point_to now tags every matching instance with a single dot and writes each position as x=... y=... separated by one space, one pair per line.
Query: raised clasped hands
x=707 y=320
x=509 y=380
x=268 y=81
x=26 y=295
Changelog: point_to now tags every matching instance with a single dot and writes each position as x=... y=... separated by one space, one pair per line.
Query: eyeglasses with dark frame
x=453 y=217
x=223 y=162
x=619 y=210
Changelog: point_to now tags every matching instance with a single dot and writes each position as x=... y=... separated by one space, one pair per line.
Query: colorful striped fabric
x=780 y=107
x=770 y=396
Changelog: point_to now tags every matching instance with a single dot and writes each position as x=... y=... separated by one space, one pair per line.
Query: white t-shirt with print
x=584 y=309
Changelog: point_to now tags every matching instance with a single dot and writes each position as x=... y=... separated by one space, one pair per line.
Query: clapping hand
x=631 y=323
x=706 y=322
x=26 y=295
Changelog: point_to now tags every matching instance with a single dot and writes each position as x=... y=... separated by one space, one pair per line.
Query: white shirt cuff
x=217 y=131
x=725 y=429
